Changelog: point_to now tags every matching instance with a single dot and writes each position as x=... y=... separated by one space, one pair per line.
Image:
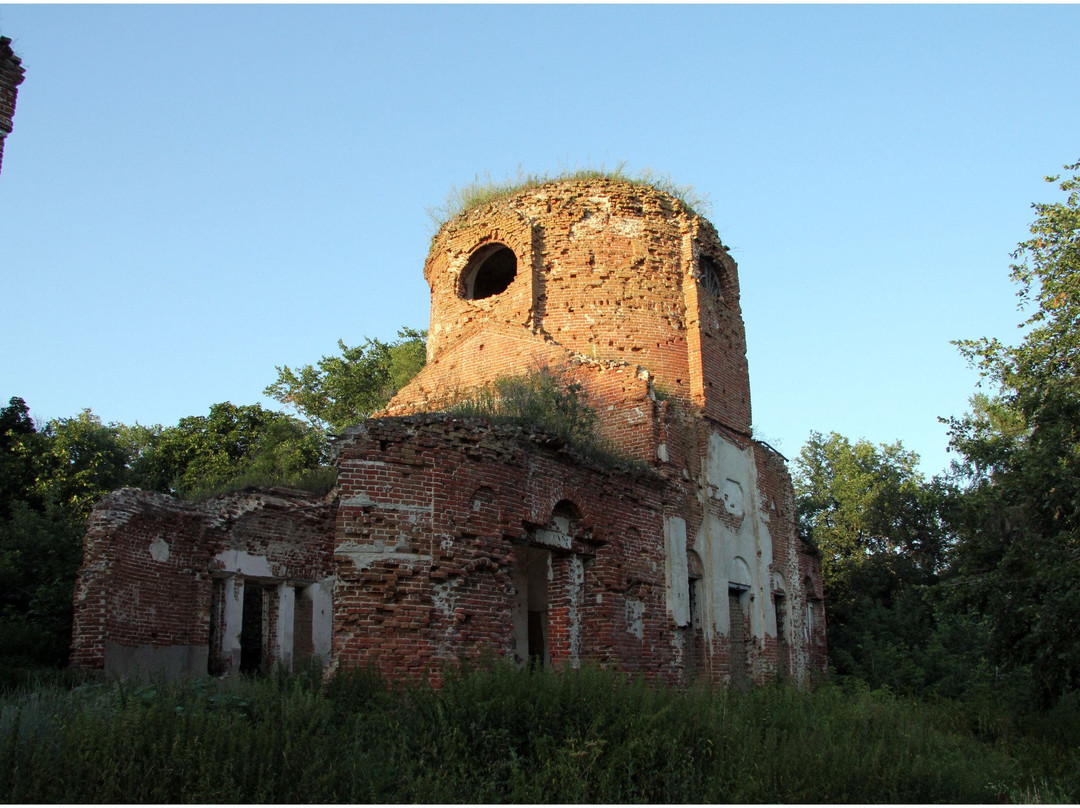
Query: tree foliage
x=858 y=501
x=45 y=481
x=343 y=390
x=80 y=460
x=1018 y=560
x=17 y=468
x=230 y=446
x=878 y=525
x=51 y=478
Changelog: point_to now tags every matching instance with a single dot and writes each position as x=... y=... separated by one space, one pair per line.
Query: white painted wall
x=729 y=485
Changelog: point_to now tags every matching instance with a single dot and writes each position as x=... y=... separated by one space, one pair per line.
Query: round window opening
x=490 y=271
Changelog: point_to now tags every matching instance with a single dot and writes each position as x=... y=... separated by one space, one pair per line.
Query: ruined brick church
x=449 y=537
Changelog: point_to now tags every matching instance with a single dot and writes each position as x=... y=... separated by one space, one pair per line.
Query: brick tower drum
x=602 y=270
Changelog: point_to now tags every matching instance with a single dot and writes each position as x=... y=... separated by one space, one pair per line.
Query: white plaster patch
x=676 y=570
x=662 y=453
x=552 y=538
x=362 y=500
x=244 y=563
x=635 y=614
x=576 y=590
x=365 y=555
x=444 y=599
x=159 y=550
x=631 y=227
x=732 y=495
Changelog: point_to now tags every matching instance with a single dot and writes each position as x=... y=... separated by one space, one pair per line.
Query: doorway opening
x=531 y=567
x=738 y=598
x=252 y=628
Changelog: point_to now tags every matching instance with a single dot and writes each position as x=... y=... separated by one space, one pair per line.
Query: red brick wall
x=145 y=581
x=429 y=535
x=431 y=510
x=606 y=271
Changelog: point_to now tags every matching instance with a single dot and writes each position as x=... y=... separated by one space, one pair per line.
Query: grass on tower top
x=485 y=189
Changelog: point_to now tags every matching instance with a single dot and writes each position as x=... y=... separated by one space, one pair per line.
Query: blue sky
x=194 y=194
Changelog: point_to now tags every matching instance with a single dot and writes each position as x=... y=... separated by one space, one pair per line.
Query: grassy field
x=498 y=734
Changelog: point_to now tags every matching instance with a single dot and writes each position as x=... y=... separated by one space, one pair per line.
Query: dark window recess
x=740 y=675
x=251 y=629
x=537 y=637
x=489 y=272
x=215 y=663
x=709 y=276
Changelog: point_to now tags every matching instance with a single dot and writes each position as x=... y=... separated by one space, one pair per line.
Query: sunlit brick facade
x=452 y=538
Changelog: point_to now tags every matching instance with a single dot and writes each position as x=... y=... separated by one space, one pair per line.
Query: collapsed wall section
x=174 y=588
x=11 y=76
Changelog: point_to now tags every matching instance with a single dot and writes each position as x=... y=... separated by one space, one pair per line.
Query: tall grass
x=484 y=190
x=544 y=398
x=499 y=734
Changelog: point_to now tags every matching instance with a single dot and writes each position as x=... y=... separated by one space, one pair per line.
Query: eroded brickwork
x=145 y=597
x=437 y=515
x=455 y=538
x=604 y=271
x=11 y=76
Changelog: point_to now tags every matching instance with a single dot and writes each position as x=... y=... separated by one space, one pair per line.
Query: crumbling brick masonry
x=450 y=537
x=11 y=76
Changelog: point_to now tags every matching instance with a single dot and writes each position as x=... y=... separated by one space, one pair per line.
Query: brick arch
x=779 y=585
x=568 y=509
x=694 y=565
x=491 y=268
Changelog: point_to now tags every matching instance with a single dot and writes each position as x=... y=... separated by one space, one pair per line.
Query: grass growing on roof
x=484 y=190
x=545 y=398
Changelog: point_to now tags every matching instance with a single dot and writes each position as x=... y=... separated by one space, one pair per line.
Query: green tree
x=40 y=553
x=230 y=447
x=80 y=460
x=878 y=524
x=18 y=439
x=343 y=390
x=1018 y=560
x=50 y=480
x=857 y=501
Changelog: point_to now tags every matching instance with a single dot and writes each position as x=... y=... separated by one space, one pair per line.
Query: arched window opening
x=490 y=271
x=709 y=276
x=564 y=515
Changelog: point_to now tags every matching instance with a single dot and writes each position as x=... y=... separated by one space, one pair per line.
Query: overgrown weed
x=545 y=398
x=496 y=733
x=485 y=189
x=314 y=481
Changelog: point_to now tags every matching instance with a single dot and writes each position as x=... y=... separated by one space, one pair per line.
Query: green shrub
x=545 y=398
